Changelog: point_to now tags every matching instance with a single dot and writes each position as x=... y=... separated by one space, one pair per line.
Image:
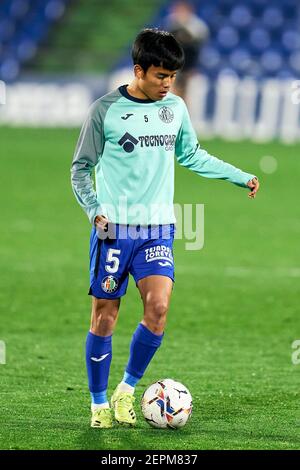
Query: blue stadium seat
x=271 y=62
x=241 y=17
x=19 y=8
x=272 y=18
x=290 y=40
x=240 y=60
x=26 y=50
x=9 y=69
x=259 y=40
x=285 y=73
x=54 y=9
x=211 y=58
x=227 y=38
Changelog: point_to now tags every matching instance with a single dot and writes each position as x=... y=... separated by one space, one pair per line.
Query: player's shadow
x=121 y=438
x=129 y=438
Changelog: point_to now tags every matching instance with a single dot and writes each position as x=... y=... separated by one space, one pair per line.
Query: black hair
x=158 y=48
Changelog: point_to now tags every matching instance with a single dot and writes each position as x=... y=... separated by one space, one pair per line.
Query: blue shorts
x=139 y=250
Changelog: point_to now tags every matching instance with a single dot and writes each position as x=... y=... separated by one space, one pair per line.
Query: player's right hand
x=101 y=222
x=254 y=186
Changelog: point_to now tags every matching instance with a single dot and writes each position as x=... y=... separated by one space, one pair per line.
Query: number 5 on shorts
x=110 y=258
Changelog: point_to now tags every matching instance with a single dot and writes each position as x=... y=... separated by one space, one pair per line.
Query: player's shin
x=98 y=359
x=143 y=346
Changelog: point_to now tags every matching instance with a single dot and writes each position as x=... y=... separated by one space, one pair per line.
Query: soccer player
x=130 y=137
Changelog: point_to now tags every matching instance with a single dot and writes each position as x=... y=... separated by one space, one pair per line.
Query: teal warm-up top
x=131 y=144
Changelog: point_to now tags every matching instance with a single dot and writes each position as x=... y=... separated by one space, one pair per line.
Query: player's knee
x=159 y=308
x=104 y=318
x=103 y=324
x=109 y=318
x=156 y=312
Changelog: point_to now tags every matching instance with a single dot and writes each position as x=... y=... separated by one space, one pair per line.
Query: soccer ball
x=167 y=404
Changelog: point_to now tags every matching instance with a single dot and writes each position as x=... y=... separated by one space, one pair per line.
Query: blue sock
x=99 y=398
x=98 y=359
x=143 y=347
x=130 y=379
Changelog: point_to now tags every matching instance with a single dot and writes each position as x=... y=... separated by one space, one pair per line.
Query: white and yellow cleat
x=122 y=404
x=102 y=418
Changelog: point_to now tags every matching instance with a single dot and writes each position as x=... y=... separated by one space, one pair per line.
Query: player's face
x=156 y=82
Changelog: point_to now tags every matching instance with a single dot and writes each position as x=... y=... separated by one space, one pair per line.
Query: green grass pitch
x=233 y=317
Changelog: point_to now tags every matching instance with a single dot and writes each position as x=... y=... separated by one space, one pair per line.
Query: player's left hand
x=101 y=222
x=254 y=186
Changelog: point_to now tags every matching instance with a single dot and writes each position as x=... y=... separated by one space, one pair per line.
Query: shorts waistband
x=135 y=232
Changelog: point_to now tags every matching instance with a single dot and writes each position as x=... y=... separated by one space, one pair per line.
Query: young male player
x=130 y=137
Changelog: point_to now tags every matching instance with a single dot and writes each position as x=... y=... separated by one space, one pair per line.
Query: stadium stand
x=258 y=38
x=239 y=92
x=24 y=25
x=255 y=38
x=67 y=36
